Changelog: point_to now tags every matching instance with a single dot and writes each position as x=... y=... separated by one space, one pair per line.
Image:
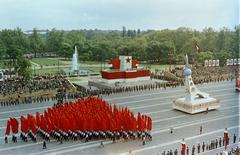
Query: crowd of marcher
x=40 y=99
x=204 y=146
x=19 y=86
x=200 y=74
x=214 y=74
x=40 y=89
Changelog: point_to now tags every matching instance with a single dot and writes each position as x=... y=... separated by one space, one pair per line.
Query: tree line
x=153 y=46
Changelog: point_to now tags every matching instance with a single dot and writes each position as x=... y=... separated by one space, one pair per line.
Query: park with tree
x=151 y=46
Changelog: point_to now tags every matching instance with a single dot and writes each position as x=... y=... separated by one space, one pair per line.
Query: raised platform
x=102 y=84
x=112 y=76
x=196 y=106
x=126 y=80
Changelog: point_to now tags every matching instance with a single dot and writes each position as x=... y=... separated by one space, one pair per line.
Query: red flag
x=24 y=124
x=14 y=124
x=33 y=126
x=139 y=122
x=8 y=128
x=149 y=126
x=38 y=119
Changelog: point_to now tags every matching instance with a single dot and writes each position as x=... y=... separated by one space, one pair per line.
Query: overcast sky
x=113 y=14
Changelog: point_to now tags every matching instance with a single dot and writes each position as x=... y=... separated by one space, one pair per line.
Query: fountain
x=75 y=65
x=74 y=69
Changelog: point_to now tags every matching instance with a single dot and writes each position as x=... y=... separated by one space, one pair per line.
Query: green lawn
x=93 y=69
x=47 y=71
x=46 y=61
x=62 y=61
x=91 y=62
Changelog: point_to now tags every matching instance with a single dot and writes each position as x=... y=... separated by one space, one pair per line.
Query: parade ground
x=156 y=103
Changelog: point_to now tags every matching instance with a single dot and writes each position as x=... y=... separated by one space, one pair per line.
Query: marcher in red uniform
x=226 y=138
x=183 y=151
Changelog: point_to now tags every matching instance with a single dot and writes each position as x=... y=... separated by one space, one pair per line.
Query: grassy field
x=46 y=71
x=93 y=66
x=62 y=61
x=46 y=61
x=92 y=69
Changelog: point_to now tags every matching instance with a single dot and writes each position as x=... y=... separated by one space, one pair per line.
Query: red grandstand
x=124 y=69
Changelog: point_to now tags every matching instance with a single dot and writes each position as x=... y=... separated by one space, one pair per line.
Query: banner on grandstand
x=206 y=63
x=217 y=62
x=235 y=61
x=209 y=63
x=231 y=62
x=213 y=63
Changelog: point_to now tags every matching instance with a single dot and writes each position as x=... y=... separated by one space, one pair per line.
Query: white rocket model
x=195 y=101
x=191 y=90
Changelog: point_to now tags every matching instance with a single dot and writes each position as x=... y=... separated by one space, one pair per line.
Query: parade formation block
x=84 y=118
x=195 y=101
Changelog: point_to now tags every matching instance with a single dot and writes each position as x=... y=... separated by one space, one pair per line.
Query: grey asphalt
x=156 y=103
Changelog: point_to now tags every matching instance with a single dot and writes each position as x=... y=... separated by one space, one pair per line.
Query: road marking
x=180 y=116
x=78 y=148
x=13 y=111
x=155 y=112
x=187 y=124
x=167 y=110
x=65 y=147
x=158 y=98
x=165 y=103
x=166 y=119
x=19 y=146
x=178 y=141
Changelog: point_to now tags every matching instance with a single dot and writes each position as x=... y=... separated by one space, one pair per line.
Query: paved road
x=156 y=103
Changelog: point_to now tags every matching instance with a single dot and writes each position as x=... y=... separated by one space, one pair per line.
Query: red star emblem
x=128 y=60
